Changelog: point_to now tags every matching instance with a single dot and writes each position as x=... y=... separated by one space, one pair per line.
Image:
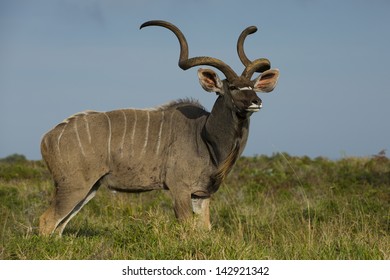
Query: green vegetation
x=278 y=207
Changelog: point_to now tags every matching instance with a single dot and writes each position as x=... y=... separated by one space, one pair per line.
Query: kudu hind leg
x=61 y=226
x=47 y=221
x=63 y=208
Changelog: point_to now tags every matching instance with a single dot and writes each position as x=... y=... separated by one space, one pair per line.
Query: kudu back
x=178 y=147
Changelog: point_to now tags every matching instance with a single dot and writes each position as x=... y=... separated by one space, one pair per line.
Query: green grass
x=278 y=207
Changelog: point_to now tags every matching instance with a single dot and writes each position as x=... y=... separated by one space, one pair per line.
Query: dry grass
x=277 y=207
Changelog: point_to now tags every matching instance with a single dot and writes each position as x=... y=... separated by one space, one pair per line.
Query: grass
x=278 y=207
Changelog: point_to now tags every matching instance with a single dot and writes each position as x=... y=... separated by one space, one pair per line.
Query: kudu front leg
x=190 y=207
x=182 y=206
x=201 y=209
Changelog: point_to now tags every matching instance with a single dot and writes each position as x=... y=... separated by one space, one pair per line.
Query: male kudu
x=178 y=147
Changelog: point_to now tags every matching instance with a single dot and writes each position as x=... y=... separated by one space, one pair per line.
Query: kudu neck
x=225 y=131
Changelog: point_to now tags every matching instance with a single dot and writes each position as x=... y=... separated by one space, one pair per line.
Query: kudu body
x=179 y=147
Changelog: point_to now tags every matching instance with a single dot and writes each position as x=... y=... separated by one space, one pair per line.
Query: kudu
x=178 y=147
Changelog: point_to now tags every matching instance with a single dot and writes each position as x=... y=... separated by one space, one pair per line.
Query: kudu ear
x=209 y=80
x=267 y=81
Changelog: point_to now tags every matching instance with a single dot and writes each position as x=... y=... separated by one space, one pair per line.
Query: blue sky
x=60 y=57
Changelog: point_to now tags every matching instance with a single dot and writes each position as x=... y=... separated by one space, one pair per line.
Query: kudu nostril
x=256 y=101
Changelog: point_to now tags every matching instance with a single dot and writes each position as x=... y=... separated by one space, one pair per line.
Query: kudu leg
x=75 y=210
x=63 y=208
x=188 y=207
x=182 y=206
x=201 y=209
x=47 y=221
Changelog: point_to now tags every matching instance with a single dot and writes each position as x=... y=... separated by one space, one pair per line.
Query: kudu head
x=239 y=92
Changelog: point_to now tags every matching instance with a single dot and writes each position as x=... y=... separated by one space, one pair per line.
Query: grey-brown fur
x=179 y=147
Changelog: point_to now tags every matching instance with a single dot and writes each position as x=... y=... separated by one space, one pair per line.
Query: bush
x=17 y=167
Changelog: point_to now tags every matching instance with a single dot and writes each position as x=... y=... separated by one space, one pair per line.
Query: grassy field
x=278 y=207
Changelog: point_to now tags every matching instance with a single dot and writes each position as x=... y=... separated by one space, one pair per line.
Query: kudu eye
x=232 y=87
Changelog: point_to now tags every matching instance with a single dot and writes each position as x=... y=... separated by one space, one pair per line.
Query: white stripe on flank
x=45 y=142
x=78 y=137
x=133 y=133
x=124 y=133
x=168 y=137
x=109 y=137
x=59 y=138
x=159 y=132
x=146 y=133
x=87 y=126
